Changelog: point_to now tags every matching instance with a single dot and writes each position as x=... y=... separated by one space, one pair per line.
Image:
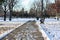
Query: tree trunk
x=5 y=14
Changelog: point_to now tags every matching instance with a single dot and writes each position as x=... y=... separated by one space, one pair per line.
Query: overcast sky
x=26 y=4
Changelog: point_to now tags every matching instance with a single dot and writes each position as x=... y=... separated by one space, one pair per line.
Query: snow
x=14 y=21
x=52 y=28
x=17 y=19
x=50 y=20
x=42 y=31
x=4 y=34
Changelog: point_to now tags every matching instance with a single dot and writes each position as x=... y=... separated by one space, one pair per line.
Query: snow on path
x=14 y=21
x=5 y=33
x=23 y=20
x=28 y=31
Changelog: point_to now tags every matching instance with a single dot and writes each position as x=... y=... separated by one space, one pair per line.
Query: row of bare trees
x=8 y=6
x=39 y=7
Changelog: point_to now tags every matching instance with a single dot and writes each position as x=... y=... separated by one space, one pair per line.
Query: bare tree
x=5 y=5
x=8 y=5
x=47 y=1
x=37 y=7
x=12 y=3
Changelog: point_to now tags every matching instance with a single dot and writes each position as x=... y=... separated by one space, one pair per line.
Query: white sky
x=26 y=4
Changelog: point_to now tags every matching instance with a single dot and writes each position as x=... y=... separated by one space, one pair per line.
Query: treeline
x=32 y=13
x=24 y=14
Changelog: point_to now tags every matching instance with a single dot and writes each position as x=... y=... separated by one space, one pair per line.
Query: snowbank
x=42 y=31
x=52 y=28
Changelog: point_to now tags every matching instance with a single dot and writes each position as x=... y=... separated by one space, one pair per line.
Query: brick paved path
x=28 y=31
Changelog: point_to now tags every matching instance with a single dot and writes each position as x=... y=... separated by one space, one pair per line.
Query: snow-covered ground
x=42 y=31
x=17 y=19
x=5 y=33
x=52 y=28
x=15 y=22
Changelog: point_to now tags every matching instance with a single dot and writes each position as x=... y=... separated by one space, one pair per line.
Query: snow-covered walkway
x=28 y=31
x=50 y=28
x=15 y=23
